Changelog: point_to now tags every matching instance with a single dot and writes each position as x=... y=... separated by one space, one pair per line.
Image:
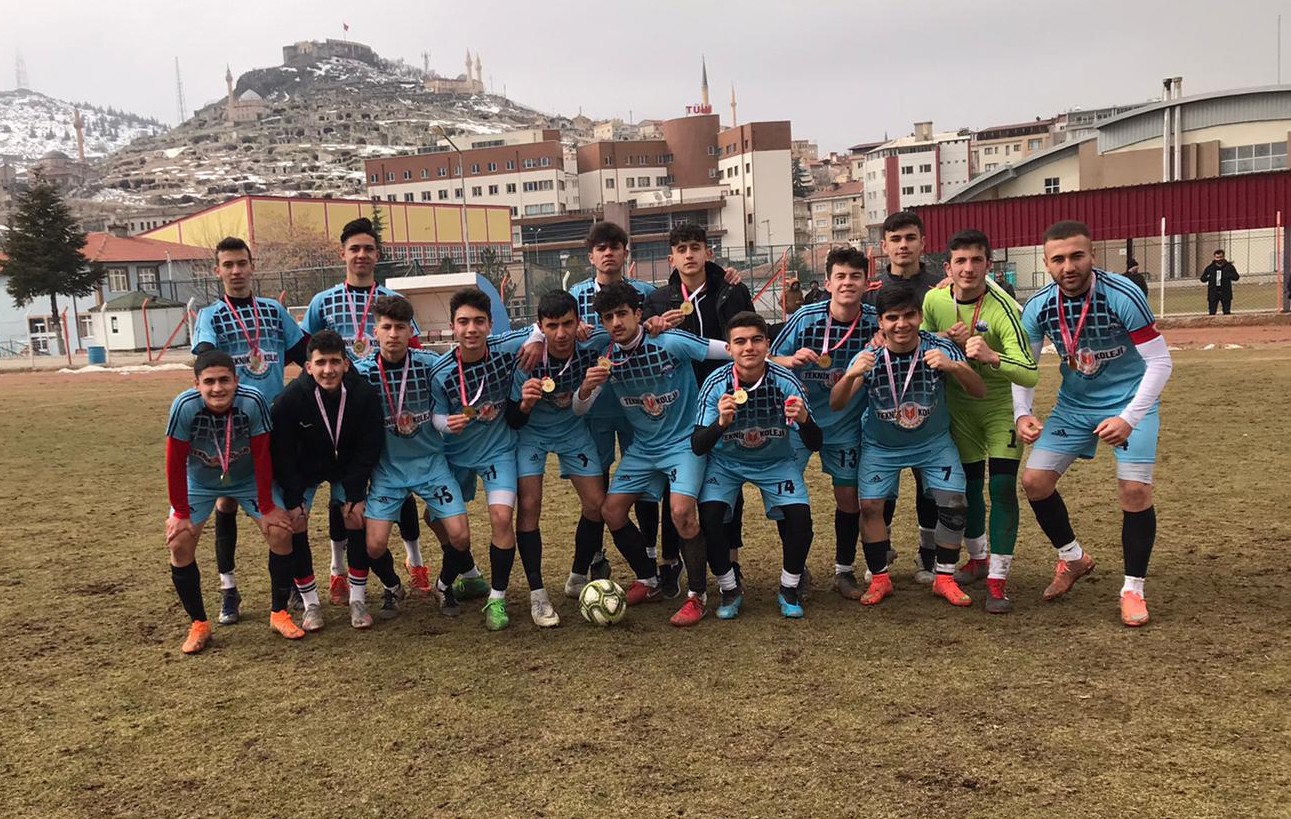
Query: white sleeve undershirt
x=1156 y=355
x=1024 y=397
x=580 y=406
x=717 y=351
x=440 y=422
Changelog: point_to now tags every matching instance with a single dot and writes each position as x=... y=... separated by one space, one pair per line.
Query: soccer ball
x=603 y=603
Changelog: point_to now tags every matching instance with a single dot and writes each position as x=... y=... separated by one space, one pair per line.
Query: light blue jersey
x=907 y=407
x=212 y=437
x=260 y=323
x=584 y=293
x=346 y=310
x=487 y=386
x=806 y=328
x=552 y=417
x=410 y=444
x=1107 y=366
x=654 y=385
x=759 y=433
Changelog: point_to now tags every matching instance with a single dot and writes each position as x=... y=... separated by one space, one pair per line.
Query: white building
x=920 y=169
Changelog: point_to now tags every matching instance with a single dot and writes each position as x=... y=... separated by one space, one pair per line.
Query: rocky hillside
x=32 y=124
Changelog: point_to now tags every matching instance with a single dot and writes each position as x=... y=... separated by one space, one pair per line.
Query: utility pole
x=179 y=95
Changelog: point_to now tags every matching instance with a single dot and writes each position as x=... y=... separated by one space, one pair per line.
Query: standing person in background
x=1219 y=276
x=793 y=298
x=1004 y=285
x=813 y=294
x=1133 y=273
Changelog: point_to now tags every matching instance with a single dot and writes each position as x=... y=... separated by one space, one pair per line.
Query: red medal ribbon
x=395 y=410
x=253 y=343
x=825 y=349
x=340 y=416
x=461 y=383
x=360 y=324
x=1070 y=339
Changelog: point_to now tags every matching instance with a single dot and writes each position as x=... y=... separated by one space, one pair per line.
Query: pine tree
x=800 y=187
x=43 y=247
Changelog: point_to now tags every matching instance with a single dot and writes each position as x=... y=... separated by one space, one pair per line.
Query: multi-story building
x=530 y=172
x=1002 y=145
x=920 y=169
x=837 y=214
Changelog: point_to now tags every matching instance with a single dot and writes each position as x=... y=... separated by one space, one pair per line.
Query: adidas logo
x=712 y=481
x=875 y=479
x=1061 y=433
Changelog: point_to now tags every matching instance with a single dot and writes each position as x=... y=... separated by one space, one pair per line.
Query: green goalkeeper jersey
x=999 y=322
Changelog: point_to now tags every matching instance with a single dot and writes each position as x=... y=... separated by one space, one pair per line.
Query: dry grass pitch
x=913 y=709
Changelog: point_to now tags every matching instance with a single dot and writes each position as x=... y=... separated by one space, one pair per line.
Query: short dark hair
x=324 y=341
x=747 y=318
x=897 y=297
x=900 y=219
x=687 y=232
x=392 y=307
x=969 y=238
x=849 y=256
x=232 y=244
x=358 y=227
x=1066 y=229
x=470 y=296
x=606 y=233
x=613 y=296
x=556 y=304
x=814 y=283
x=1219 y=251
x=213 y=358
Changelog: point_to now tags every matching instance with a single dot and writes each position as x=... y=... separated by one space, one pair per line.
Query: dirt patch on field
x=1249 y=331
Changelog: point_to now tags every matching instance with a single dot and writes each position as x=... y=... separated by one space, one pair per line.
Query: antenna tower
x=179 y=94
x=20 y=73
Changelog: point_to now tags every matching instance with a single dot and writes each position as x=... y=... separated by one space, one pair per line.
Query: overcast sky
x=842 y=72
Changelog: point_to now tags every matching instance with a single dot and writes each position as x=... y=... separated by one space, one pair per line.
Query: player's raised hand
x=880 y=339
x=530 y=394
x=978 y=350
x=657 y=324
x=457 y=423
x=177 y=528
x=1113 y=431
x=530 y=355
x=299 y=519
x=805 y=357
x=958 y=333
x=673 y=319
x=584 y=331
x=864 y=363
x=733 y=276
x=1029 y=428
x=354 y=514
x=795 y=410
x=726 y=410
x=937 y=360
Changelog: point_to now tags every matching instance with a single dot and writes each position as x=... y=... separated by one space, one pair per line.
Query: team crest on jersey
x=652 y=404
x=981 y=327
x=753 y=437
x=1089 y=362
x=907 y=416
x=213 y=460
x=562 y=400
x=486 y=412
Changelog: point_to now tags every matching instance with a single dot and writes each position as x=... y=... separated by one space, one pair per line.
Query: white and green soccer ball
x=603 y=602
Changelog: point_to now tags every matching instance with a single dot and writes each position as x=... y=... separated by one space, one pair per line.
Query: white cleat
x=544 y=614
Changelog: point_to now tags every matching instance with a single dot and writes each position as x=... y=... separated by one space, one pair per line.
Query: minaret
x=734 y=121
x=228 y=80
x=479 y=73
x=703 y=83
x=468 y=66
x=79 y=124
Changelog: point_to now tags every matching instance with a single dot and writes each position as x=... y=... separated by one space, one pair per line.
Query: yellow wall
x=207 y=228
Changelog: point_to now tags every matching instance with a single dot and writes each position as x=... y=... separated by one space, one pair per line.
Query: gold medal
x=256 y=365
x=469 y=412
x=1071 y=362
x=741 y=396
x=604 y=362
x=405 y=423
x=224 y=478
x=687 y=308
x=549 y=384
x=360 y=347
x=823 y=361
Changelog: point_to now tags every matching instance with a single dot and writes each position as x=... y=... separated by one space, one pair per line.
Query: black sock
x=529 y=545
x=409 y=523
x=356 y=549
x=712 y=522
x=669 y=540
x=500 y=563
x=302 y=560
x=188 y=585
x=589 y=538
x=847 y=529
x=876 y=555
x=1138 y=534
x=648 y=518
x=452 y=568
x=947 y=557
x=735 y=529
x=335 y=522
x=889 y=510
x=631 y=545
x=1051 y=514
x=226 y=540
x=927 y=558
x=465 y=560
x=795 y=536
x=280 y=580
x=383 y=568
x=694 y=552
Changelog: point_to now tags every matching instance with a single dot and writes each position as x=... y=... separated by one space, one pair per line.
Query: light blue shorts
x=937 y=460
x=578 y=454
x=780 y=483
x=498 y=472
x=677 y=467
x=1069 y=434
x=439 y=490
x=603 y=429
x=839 y=461
x=201 y=500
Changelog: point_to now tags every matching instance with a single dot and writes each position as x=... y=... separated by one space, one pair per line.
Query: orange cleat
x=880 y=587
x=338 y=590
x=1134 y=609
x=418 y=580
x=690 y=613
x=1065 y=575
x=639 y=593
x=281 y=622
x=944 y=586
x=199 y=634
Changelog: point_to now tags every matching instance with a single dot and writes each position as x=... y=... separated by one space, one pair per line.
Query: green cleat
x=495 y=614
x=470 y=588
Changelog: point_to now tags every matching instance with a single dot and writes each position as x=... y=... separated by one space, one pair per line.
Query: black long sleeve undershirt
x=703 y=439
x=516 y=417
x=813 y=437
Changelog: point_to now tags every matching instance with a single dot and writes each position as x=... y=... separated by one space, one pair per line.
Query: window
x=991 y=150
x=407 y=197
x=407 y=175
x=376 y=177
x=748 y=167
x=907 y=190
x=390 y=176
x=1270 y=156
x=712 y=173
x=907 y=169
x=1051 y=184
x=643 y=160
x=86 y=326
x=545 y=162
x=661 y=180
x=1017 y=147
x=609 y=161
x=1034 y=144
x=443 y=193
x=148 y=279
x=115 y=327
x=441 y=171
x=118 y=279
x=457 y=193
x=425 y=196
x=529 y=163
x=493 y=166
x=493 y=190
x=643 y=182
x=665 y=159
x=926 y=168
x=609 y=183
x=511 y=187
x=925 y=189
x=476 y=190
x=425 y=173
x=540 y=185
x=475 y=167
x=515 y=211
x=511 y=164
x=750 y=218
x=712 y=150
x=390 y=197
x=630 y=182
x=627 y=161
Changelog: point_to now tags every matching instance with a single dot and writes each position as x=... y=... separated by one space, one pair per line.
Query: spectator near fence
x=1219 y=276
x=1133 y=274
x=793 y=298
x=813 y=294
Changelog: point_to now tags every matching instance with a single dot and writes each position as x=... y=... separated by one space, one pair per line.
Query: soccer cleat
x=845 y=584
x=944 y=586
x=448 y=605
x=540 y=608
x=199 y=634
x=639 y=593
x=312 y=620
x=294 y=601
x=281 y=622
x=600 y=569
x=731 y=603
x=880 y=587
x=670 y=579
x=1065 y=575
x=922 y=576
x=359 y=617
x=390 y=602
x=790 y=603
x=972 y=571
x=418 y=580
x=1134 y=609
x=997 y=602
x=470 y=588
x=495 y=614
x=574 y=586
x=338 y=590
x=229 y=602
x=690 y=613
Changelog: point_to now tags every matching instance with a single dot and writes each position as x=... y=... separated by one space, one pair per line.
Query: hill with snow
x=33 y=124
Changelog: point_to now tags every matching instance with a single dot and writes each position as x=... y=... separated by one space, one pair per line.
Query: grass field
x=913 y=709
